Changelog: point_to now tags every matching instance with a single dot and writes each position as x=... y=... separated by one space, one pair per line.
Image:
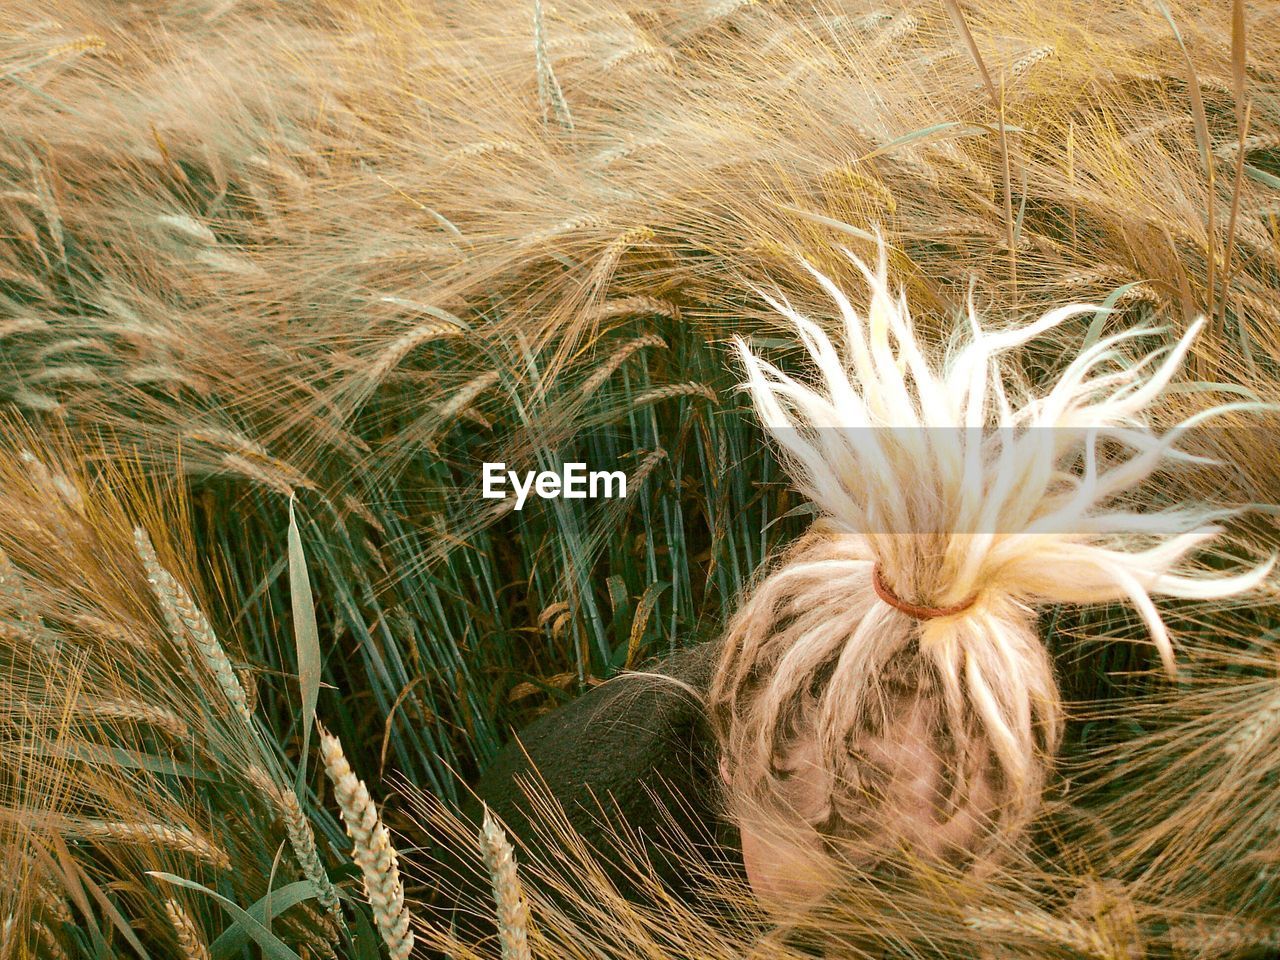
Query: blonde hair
x=966 y=491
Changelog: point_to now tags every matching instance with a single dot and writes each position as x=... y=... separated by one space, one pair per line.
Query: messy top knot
x=885 y=682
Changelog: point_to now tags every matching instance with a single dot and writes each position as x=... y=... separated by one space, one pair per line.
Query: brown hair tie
x=914 y=610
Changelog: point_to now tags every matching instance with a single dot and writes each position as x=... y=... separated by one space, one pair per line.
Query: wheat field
x=275 y=277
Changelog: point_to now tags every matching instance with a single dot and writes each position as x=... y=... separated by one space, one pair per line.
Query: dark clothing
x=634 y=767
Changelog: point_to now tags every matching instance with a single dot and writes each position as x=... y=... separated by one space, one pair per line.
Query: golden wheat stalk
x=323 y=943
x=1038 y=925
x=617 y=359
x=157 y=834
x=190 y=942
x=185 y=621
x=48 y=941
x=53 y=902
x=512 y=909
x=19 y=623
x=466 y=394
x=372 y=850
x=1261 y=141
x=301 y=838
x=12 y=595
x=1260 y=727
x=53 y=482
x=550 y=96
x=158 y=578
x=671 y=391
x=1222 y=938
x=104 y=631
x=399 y=348
x=136 y=711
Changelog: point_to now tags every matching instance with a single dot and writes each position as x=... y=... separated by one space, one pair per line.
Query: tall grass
x=346 y=252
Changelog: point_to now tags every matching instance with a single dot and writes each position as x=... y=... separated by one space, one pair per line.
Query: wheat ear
x=1036 y=924
x=550 y=96
x=151 y=834
x=301 y=838
x=513 y=910
x=1260 y=727
x=13 y=597
x=48 y=940
x=372 y=851
x=190 y=942
x=137 y=711
x=185 y=621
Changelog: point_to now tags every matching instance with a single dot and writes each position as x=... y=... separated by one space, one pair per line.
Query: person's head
x=849 y=731
x=883 y=692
